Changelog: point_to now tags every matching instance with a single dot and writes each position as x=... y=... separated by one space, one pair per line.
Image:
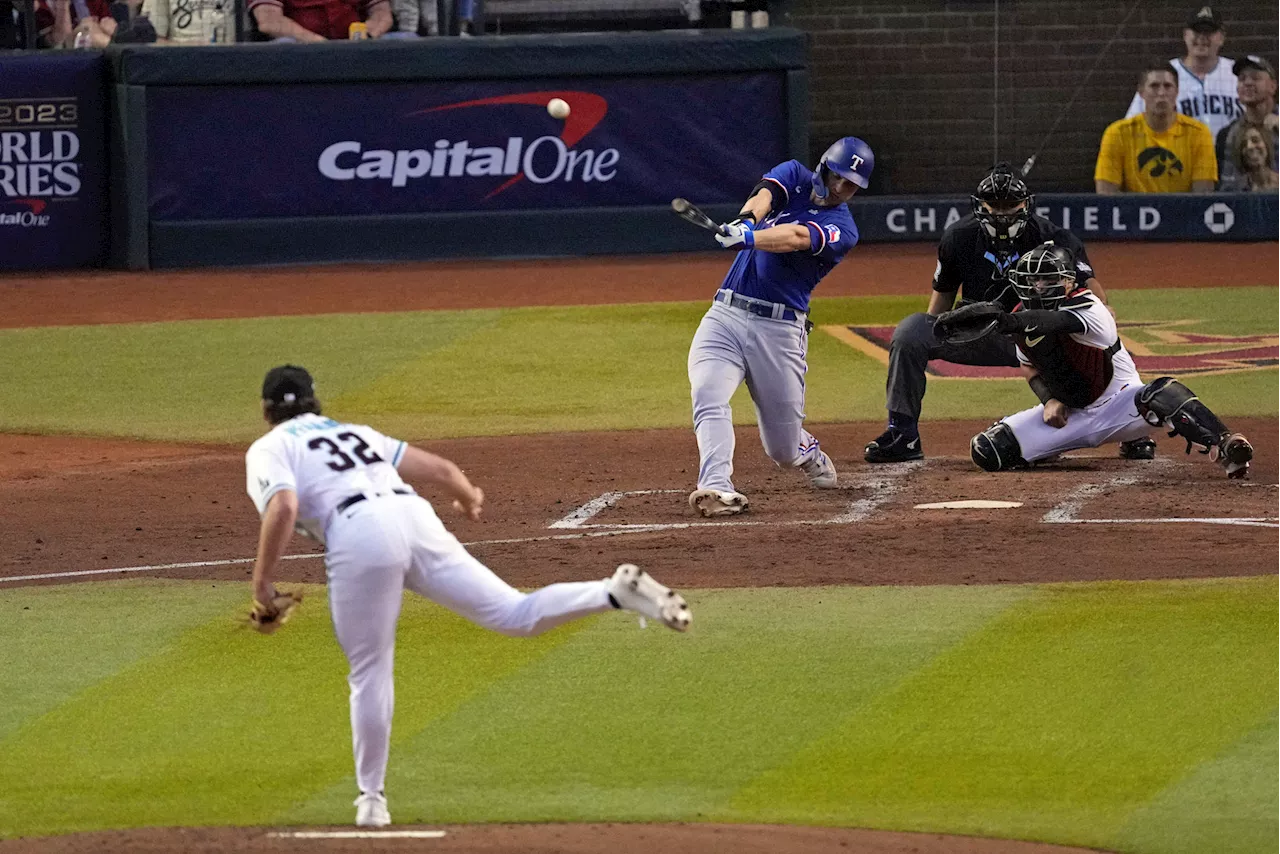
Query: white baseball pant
x=1114 y=418
x=729 y=347
x=379 y=547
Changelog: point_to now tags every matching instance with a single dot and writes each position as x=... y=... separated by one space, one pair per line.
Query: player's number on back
x=342 y=461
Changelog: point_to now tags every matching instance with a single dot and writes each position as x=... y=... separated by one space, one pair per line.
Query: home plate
x=969 y=504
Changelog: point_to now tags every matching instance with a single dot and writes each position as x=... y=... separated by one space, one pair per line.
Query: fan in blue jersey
x=791 y=232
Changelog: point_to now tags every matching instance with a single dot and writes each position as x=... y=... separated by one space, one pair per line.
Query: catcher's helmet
x=850 y=158
x=1044 y=276
x=1002 y=204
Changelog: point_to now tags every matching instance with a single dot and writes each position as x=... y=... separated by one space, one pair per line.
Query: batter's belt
x=761 y=308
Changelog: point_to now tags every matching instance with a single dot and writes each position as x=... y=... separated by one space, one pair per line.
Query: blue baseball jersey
x=790 y=277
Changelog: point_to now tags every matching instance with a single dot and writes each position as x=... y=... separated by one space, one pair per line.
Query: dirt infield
x=565 y=507
x=148 y=507
x=536 y=839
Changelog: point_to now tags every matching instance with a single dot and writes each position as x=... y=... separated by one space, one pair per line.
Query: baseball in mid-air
x=558 y=108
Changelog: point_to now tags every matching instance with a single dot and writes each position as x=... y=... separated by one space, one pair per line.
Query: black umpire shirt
x=966 y=262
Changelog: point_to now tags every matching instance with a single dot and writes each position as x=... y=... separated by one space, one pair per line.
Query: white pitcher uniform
x=1096 y=360
x=380 y=537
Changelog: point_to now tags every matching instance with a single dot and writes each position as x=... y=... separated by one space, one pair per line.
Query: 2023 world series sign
x=53 y=207
x=392 y=148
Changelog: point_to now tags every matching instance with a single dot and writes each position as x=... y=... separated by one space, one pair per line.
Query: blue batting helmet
x=850 y=158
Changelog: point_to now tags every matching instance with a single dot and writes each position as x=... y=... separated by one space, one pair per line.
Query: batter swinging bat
x=689 y=212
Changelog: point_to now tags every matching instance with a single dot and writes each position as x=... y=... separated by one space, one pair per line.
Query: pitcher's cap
x=287 y=383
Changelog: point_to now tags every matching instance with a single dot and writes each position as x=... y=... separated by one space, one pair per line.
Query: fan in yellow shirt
x=1159 y=150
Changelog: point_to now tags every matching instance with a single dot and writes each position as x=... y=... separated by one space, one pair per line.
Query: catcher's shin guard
x=996 y=448
x=1168 y=403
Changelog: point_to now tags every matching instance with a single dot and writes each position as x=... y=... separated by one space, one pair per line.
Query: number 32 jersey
x=325 y=463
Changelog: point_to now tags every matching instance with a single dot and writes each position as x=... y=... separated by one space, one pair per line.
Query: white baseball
x=558 y=108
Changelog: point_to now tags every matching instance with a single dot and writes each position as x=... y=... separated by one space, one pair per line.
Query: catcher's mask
x=1043 y=277
x=1002 y=204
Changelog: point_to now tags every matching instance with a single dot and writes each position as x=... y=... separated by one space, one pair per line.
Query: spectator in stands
x=191 y=22
x=418 y=17
x=1253 y=158
x=1158 y=150
x=1206 y=81
x=319 y=20
x=58 y=21
x=1256 y=89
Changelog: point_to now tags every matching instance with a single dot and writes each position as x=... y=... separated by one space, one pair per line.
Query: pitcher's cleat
x=371 y=810
x=633 y=589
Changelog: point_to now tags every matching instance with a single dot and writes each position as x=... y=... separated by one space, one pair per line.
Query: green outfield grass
x=449 y=373
x=1133 y=716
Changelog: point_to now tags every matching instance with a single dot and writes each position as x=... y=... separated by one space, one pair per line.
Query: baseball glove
x=266 y=617
x=972 y=322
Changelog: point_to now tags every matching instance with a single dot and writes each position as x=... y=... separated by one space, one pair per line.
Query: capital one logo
x=543 y=160
x=32 y=216
x=1219 y=218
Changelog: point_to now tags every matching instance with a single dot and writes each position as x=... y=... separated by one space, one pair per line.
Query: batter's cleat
x=820 y=471
x=1138 y=449
x=371 y=810
x=633 y=589
x=893 y=446
x=1235 y=453
x=713 y=502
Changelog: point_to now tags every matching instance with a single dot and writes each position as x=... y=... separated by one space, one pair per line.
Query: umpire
x=974 y=259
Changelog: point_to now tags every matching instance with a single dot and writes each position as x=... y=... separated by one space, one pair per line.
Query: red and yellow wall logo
x=1158 y=348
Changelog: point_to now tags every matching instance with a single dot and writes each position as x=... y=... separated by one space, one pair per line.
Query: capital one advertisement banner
x=53 y=208
x=291 y=150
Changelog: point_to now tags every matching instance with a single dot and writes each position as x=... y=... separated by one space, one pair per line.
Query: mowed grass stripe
x=1057 y=721
x=488 y=372
x=620 y=724
x=200 y=381
x=231 y=727
x=539 y=369
x=1226 y=805
x=58 y=641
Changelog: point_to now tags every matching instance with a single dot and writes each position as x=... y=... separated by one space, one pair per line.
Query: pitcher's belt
x=350 y=500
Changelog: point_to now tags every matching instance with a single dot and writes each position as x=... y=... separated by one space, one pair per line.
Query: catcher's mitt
x=266 y=617
x=972 y=322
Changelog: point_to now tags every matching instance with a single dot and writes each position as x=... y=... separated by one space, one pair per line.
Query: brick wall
x=916 y=79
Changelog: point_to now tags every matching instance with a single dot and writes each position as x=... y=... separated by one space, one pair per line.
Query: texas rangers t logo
x=857 y=163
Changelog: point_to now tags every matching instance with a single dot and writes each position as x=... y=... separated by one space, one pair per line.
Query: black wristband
x=747 y=215
x=1041 y=388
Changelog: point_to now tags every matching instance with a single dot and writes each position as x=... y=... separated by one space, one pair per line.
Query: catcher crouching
x=1090 y=392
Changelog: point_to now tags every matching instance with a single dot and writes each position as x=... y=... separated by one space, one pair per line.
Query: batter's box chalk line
x=1066 y=511
x=882 y=490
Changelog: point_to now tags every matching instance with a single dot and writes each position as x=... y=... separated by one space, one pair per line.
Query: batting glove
x=736 y=235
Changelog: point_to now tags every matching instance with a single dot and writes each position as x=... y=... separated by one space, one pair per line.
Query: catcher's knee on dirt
x=1168 y=403
x=996 y=448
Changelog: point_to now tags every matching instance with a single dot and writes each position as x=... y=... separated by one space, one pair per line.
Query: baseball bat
x=689 y=212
